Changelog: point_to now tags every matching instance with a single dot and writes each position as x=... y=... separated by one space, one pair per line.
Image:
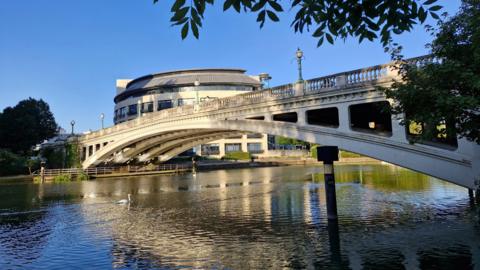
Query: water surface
x=242 y=219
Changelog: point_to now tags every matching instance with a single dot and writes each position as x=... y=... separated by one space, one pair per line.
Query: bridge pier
x=329 y=154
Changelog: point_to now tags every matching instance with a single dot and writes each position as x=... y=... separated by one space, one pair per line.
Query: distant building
x=160 y=91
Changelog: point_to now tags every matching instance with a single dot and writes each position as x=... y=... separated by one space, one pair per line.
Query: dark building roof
x=178 y=78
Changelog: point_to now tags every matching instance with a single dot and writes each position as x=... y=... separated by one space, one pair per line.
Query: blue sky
x=71 y=52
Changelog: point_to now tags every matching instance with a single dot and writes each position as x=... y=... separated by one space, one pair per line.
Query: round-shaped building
x=165 y=90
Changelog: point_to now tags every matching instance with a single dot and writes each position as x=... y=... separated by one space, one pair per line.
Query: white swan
x=125 y=201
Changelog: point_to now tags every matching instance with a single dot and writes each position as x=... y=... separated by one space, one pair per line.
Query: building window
x=132 y=110
x=122 y=112
x=147 y=107
x=210 y=149
x=254 y=147
x=185 y=101
x=233 y=147
x=164 y=104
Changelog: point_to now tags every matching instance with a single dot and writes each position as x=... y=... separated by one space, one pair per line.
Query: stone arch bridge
x=343 y=109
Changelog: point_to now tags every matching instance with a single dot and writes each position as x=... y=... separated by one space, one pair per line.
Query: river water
x=389 y=218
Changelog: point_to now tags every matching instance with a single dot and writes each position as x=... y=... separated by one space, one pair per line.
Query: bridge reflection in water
x=249 y=218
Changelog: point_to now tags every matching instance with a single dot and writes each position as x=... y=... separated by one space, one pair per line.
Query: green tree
x=325 y=19
x=28 y=123
x=443 y=97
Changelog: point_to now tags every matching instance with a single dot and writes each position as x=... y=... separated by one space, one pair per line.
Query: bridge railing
x=372 y=75
x=95 y=171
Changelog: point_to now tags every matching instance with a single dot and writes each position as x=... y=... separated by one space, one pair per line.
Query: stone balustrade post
x=299 y=88
x=341 y=80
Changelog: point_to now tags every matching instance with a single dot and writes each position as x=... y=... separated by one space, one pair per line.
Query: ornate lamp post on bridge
x=196 y=83
x=72 y=123
x=299 y=56
x=102 y=116
x=265 y=79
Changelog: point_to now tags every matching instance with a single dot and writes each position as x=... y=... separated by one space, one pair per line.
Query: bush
x=237 y=156
x=62 y=178
x=346 y=154
x=55 y=157
x=83 y=177
x=11 y=164
x=72 y=158
x=313 y=151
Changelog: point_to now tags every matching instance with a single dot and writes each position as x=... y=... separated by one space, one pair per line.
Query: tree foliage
x=445 y=94
x=28 y=123
x=325 y=19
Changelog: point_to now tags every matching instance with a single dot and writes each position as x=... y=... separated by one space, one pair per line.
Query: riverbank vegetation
x=442 y=98
x=237 y=156
x=22 y=127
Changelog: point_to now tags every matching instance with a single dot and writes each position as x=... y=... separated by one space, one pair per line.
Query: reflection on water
x=242 y=219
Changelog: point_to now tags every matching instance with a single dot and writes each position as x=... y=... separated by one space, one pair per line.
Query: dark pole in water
x=329 y=154
x=471 y=197
x=334 y=240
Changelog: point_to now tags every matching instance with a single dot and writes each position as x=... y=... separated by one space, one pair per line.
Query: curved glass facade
x=162 y=91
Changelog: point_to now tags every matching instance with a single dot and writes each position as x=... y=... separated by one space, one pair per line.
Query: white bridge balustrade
x=338 y=110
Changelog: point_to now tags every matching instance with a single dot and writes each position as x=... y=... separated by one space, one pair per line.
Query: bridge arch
x=415 y=157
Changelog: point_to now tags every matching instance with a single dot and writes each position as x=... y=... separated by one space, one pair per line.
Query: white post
x=341 y=80
x=299 y=88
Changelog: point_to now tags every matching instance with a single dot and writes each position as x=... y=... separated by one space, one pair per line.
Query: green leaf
x=329 y=38
x=195 y=16
x=180 y=14
x=185 y=30
x=182 y=21
x=236 y=5
x=319 y=32
x=429 y=2
x=435 y=8
x=200 y=6
x=260 y=4
x=194 y=29
x=178 y=4
x=261 y=18
x=247 y=3
x=434 y=15
x=275 y=6
x=422 y=15
x=227 y=4
x=272 y=16
x=320 y=42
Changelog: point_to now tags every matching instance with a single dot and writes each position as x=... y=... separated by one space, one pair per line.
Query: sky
x=70 y=53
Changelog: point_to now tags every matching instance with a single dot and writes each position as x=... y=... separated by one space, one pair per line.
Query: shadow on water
x=242 y=219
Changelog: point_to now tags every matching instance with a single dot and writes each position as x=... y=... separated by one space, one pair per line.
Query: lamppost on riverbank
x=72 y=123
x=299 y=56
x=102 y=116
